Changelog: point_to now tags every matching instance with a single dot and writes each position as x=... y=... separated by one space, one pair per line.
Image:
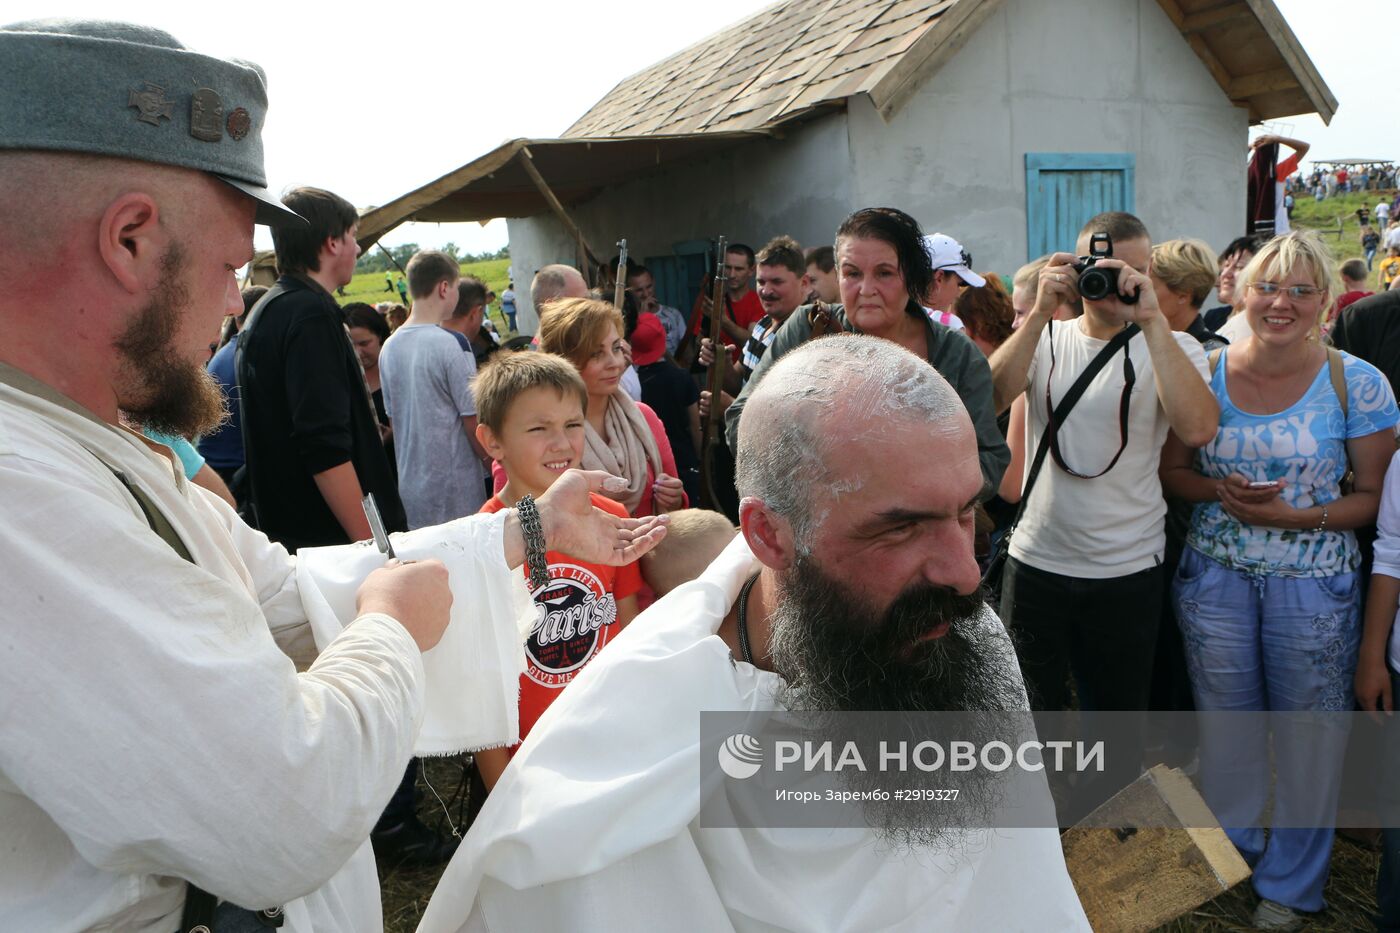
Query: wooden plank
x=1216 y=16
x=947 y=37
x=1174 y=12
x=527 y=162
x=1291 y=50
x=1217 y=70
x=1132 y=880
x=1275 y=79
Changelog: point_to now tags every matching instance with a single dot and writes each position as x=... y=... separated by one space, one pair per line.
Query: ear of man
x=768 y=534
x=132 y=241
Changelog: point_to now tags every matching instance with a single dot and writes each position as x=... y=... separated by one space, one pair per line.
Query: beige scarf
x=627 y=452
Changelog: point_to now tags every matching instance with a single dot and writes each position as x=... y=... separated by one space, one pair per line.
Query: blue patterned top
x=1305 y=446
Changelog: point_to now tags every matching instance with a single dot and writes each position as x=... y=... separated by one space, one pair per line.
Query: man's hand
x=573 y=526
x=1146 y=311
x=416 y=594
x=1372 y=682
x=667 y=493
x=1058 y=285
x=725 y=400
x=707 y=351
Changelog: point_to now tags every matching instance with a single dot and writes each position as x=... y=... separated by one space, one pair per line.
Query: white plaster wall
x=1068 y=76
x=799 y=185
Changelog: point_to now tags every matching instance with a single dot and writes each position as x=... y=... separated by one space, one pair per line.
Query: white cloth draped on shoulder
x=593 y=827
x=152 y=726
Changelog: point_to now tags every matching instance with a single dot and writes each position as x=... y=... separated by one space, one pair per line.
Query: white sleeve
x=1387 y=558
x=149 y=713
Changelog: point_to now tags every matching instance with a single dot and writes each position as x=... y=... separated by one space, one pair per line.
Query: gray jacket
x=956 y=358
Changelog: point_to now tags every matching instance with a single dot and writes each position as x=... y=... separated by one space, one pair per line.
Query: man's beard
x=162 y=390
x=838 y=653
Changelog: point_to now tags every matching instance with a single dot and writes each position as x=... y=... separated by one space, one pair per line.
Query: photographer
x=1083 y=583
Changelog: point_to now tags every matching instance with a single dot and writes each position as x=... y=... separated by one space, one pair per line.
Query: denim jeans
x=1258 y=642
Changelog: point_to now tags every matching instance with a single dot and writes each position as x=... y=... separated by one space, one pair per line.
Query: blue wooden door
x=1065 y=189
x=678 y=276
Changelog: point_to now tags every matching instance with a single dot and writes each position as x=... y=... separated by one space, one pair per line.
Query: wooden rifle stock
x=620 y=286
x=714 y=379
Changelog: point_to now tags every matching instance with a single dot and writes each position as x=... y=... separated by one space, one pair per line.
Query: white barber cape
x=153 y=725
x=593 y=826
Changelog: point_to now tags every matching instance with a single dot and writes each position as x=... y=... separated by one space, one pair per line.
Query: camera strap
x=1057 y=415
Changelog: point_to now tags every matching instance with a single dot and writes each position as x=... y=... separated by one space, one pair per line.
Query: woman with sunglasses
x=1267 y=591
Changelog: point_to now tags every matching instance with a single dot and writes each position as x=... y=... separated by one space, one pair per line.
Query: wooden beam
x=1217 y=70
x=527 y=162
x=1216 y=16
x=1291 y=50
x=1264 y=82
x=1149 y=855
x=1173 y=12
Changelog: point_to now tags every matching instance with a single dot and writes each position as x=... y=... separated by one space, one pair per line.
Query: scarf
x=627 y=452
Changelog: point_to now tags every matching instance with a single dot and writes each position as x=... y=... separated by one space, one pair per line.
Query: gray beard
x=165 y=392
x=838 y=653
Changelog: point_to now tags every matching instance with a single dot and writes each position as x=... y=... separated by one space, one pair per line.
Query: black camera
x=1095 y=283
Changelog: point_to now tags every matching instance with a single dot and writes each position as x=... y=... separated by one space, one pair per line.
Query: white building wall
x=1068 y=76
x=799 y=185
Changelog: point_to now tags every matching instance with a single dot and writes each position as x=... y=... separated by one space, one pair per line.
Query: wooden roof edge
x=379 y=221
x=930 y=53
x=1296 y=58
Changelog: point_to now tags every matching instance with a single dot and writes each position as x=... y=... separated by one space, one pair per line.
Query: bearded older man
x=852 y=587
x=162 y=760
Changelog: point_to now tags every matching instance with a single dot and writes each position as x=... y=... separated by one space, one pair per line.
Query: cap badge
x=151 y=104
x=206 y=116
x=239 y=123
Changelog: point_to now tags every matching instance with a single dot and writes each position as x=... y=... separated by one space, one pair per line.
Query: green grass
x=369 y=287
x=1324 y=217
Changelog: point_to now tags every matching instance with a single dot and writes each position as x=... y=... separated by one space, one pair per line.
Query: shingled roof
x=798 y=57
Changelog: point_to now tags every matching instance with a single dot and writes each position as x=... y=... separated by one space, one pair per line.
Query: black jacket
x=305 y=410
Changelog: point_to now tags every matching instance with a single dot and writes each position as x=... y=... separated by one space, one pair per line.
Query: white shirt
x=1236 y=328
x=1387 y=556
x=153 y=725
x=593 y=827
x=1392 y=237
x=632 y=383
x=1113 y=525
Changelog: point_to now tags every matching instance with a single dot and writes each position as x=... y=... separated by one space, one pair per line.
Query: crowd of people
x=922 y=487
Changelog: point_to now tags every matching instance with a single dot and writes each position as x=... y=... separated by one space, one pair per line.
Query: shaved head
x=862 y=384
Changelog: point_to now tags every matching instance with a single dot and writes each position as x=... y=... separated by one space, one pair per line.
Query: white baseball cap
x=948 y=255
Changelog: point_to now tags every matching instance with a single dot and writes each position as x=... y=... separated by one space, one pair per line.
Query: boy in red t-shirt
x=530 y=410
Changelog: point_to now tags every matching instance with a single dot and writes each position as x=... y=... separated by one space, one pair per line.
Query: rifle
x=715 y=383
x=620 y=286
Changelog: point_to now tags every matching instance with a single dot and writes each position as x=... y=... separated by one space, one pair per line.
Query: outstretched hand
x=574 y=526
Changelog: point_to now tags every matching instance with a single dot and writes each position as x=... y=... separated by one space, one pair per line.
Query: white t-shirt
x=1236 y=328
x=1113 y=525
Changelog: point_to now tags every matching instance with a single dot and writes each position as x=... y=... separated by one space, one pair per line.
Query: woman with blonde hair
x=621 y=436
x=1267 y=592
x=1183 y=274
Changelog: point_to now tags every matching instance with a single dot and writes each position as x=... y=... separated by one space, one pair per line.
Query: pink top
x=663 y=446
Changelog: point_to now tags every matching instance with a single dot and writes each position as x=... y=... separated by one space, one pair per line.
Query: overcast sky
x=372 y=101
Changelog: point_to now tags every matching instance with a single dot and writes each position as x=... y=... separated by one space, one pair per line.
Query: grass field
x=1325 y=217
x=369 y=287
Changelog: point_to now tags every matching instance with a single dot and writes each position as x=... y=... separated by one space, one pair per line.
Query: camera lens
x=1097 y=284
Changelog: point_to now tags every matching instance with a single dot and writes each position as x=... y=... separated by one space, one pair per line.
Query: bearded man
x=851 y=587
x=174 y=754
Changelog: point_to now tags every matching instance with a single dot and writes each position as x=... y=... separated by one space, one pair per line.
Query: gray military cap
x=135 y=92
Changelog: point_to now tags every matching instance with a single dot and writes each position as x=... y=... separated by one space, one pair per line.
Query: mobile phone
x=1264 y=484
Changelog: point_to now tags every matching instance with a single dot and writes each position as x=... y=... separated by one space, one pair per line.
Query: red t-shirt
x=1287 y=167
x=746 y=312
x=1348 y=298
x=579 y=618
